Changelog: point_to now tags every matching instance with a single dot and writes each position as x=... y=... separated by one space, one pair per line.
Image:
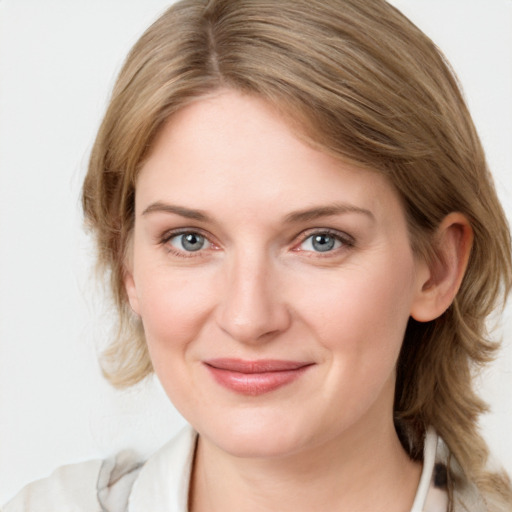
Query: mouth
x=255 y=378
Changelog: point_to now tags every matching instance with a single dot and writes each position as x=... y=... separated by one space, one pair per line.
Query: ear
x=452 y=248
x=131 y=291
x=129 y=281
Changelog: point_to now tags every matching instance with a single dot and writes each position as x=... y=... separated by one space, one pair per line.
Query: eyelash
x=346 y=241
x=166 y=238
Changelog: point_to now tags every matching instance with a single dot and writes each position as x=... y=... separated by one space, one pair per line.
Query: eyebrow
x=292 y=218
x=325 y=211
x=178 y=210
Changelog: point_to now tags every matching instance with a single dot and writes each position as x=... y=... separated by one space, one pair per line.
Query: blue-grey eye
x=189 y=242
x=320 y=242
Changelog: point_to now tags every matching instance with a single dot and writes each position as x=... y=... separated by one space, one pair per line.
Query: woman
x=304 y=243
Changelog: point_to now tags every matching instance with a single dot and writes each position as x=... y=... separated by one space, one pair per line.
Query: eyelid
x=347 y=240
x=165 y=238
x=171 y=233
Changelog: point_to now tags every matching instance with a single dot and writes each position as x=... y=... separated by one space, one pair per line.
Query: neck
x=362 y=469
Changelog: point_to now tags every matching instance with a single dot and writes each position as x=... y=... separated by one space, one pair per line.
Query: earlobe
x=453 y=241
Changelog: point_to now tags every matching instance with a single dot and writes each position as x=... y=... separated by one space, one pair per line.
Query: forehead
x=238 y=152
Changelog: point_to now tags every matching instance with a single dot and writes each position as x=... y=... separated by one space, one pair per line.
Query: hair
x=362 y=82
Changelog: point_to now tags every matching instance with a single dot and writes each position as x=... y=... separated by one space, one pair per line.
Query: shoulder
x=448 y=486
x=71 y=488
x=96 y=485
x=107 y=485
x=465 y=495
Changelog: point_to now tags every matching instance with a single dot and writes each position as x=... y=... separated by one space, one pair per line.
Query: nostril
x=254 y=326
x=252 y=309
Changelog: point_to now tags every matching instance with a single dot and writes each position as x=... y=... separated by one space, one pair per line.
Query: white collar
x=429 y=460
x=163 y=482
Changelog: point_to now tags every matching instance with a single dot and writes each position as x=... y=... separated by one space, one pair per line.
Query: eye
x=189 y=242
x=323 y=242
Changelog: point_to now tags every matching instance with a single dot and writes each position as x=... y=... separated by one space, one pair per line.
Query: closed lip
x=257 y=377
x=256 y=366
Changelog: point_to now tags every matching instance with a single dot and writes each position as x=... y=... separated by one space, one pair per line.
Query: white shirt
x=161 y=484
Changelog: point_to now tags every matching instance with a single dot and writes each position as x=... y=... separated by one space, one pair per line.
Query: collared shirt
x=161 y=484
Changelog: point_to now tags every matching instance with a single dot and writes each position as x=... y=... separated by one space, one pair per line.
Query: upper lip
x=255 y=366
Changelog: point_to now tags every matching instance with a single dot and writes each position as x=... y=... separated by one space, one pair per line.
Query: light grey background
x=58 y=60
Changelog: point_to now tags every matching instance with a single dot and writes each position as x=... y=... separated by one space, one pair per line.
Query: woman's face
x=274 y=282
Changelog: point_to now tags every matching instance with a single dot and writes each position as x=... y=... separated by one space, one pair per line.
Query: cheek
x=363 y=310
x=173 y=305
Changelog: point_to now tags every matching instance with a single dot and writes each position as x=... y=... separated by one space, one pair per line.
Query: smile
x=255 y=378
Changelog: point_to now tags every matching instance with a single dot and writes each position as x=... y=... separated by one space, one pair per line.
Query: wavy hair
x=358 y=80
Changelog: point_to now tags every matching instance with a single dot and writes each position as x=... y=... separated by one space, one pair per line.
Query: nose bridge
x=252 y=306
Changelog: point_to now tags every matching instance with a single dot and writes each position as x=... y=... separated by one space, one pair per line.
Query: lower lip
x=254 y=384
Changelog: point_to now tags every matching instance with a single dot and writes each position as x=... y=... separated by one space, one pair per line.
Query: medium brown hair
x=360 y=81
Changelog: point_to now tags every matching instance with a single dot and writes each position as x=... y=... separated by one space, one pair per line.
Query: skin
x=229 y=169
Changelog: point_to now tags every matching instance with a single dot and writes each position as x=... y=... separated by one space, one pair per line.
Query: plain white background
x=58 y=61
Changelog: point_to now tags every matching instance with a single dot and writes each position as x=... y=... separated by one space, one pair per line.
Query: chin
x=250 y=437
x=257 y=446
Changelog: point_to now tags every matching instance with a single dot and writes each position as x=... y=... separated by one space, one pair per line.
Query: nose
x=252 y=309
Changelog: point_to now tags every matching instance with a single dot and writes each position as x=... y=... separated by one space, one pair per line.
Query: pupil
x=323 y=243
x=192 y=242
